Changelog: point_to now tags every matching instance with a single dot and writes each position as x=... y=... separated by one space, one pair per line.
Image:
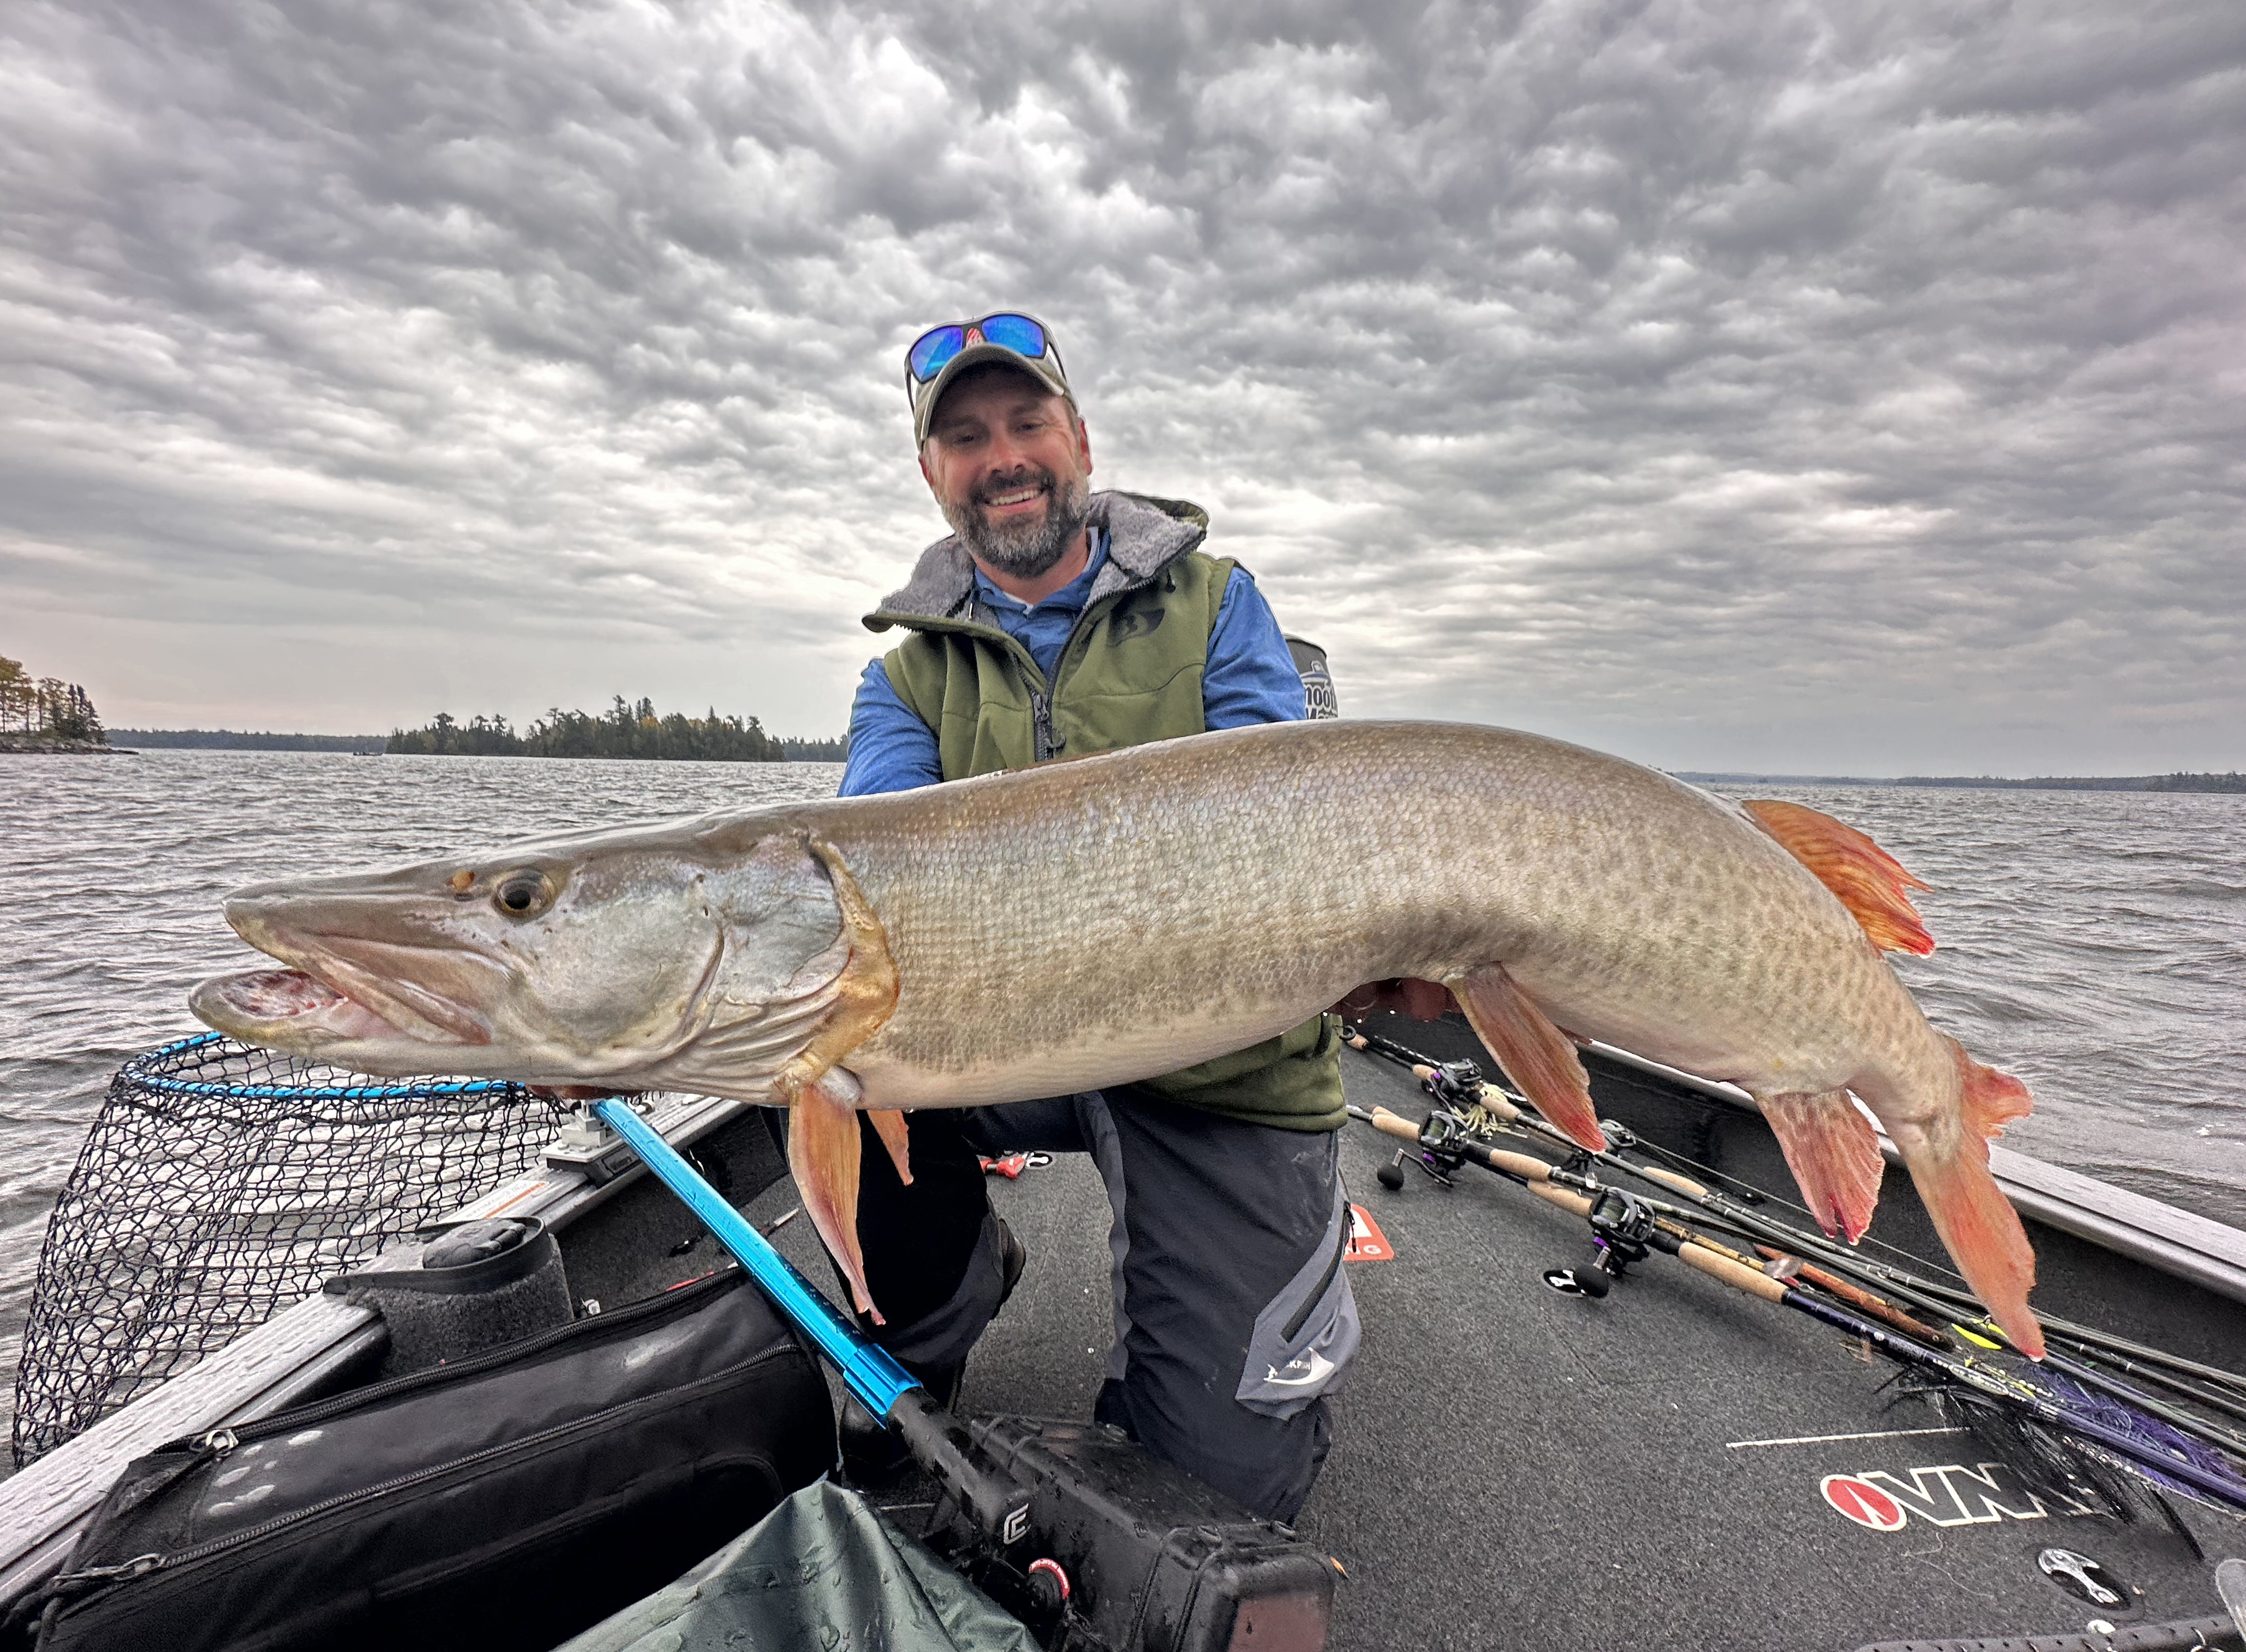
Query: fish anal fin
x=1535 y=1054
x=1983 y=1234
x=1833 y=1153
x=1868 y=880
x=823 y=1153
x=1990 y=1099
x=889 y=1124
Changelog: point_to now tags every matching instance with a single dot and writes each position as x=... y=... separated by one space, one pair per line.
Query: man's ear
x=925 y=474
x=1083 y=445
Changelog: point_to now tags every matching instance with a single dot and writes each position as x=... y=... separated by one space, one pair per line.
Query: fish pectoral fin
x=1868 y=880
x=823 y=1153
x=1535 y=1054
x=1981 y=1230
x=1834 y=1154
x=889 y=1124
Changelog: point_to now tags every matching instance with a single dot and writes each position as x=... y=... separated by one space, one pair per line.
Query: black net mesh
x=221 y=1183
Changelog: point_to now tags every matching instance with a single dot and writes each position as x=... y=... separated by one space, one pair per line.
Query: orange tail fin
x=1869 y=881
x=1535 y=1054
x=1833 y=1153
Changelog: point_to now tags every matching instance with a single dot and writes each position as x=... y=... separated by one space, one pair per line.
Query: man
x=1056 y=622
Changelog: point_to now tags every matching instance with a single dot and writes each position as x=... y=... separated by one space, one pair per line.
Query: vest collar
x=1145 y=535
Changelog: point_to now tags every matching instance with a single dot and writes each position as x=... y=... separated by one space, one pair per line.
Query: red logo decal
x=1864 y=1502
x=1366 y=1242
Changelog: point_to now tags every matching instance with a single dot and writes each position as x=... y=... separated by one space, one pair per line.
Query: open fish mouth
x=294 y=1009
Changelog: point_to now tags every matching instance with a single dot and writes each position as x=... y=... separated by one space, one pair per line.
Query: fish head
x=689 y=955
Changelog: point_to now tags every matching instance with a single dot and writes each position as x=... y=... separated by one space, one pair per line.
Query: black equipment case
x=500 y=1503
x=1134 y=1555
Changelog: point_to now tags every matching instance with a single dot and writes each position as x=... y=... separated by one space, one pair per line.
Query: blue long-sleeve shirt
x=1249 y=677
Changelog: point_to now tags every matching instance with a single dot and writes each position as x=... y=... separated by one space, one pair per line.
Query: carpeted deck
x=1515 y=1468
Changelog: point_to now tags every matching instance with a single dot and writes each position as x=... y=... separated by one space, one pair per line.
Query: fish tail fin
x=1983 y=1234
x=1535 y=1054
x=1869 y=881
x=1834 y=1155
x=823 y=1152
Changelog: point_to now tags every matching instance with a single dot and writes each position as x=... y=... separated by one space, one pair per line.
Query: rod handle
x=1736 y=1274
x=1566 y=1198
x=1533 y=1171
x=942 y=1445
x=1396 y=1125
x=1684 y=1185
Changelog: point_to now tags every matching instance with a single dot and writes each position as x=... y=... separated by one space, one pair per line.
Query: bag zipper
x=98 y=1579
x=219 y=1441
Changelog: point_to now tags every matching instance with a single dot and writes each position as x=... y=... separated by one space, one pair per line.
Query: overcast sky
x=1793 y=387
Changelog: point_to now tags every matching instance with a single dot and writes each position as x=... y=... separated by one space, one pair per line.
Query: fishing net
x=222 y=1183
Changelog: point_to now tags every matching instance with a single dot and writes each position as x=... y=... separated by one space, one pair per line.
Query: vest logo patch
x=1137 y=621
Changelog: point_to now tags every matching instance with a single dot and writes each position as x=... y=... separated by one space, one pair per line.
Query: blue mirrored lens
x=1018 y=333
x=933 y=349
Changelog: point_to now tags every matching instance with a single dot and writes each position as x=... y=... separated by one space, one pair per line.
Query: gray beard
x=1025 y=549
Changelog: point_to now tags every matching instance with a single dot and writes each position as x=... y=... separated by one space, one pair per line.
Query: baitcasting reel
x=1621 y=1230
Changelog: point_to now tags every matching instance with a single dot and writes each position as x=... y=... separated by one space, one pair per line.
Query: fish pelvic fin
x=889 y=1124
x=1990 y=1099
x=1535 y=1054
x=823 y=1154
x=1869 y=881
x=1834 y=1155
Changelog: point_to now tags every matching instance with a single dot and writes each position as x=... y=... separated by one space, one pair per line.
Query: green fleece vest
x=1130 y=673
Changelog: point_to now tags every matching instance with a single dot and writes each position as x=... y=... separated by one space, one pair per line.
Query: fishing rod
x=1627 y=1227
x=889 y=1392
x=1461 y=1084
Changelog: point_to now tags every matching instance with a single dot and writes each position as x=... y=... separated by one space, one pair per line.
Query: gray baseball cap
x=1008 y=337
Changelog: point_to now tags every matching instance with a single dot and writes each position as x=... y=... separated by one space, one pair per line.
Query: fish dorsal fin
x=1869 y=881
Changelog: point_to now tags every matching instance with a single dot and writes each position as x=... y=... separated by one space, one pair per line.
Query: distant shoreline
x=242 y=740
x=368 y=744
x=2194 y=783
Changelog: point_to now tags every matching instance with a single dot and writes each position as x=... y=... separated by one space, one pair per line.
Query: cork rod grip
x=1736 y=1274
x=1396 y=1125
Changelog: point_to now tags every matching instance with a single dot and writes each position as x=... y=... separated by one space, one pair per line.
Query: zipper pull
x=1043 y=744
x=216 y=1443
x=69 y=1584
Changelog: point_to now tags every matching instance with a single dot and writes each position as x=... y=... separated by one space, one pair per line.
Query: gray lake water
x=2092 y=943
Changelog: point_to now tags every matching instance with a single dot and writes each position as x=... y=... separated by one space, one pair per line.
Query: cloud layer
x=1785 y=386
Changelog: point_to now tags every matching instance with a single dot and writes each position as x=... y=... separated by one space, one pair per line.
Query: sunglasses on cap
x=1024 y=335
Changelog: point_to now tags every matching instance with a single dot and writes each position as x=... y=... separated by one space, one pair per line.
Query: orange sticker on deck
x=1366 y=1242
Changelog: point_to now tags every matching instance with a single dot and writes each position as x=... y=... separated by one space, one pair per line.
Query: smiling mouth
x=1014 y=497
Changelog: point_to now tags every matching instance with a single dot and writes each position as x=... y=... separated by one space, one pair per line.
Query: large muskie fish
x=1097 y=920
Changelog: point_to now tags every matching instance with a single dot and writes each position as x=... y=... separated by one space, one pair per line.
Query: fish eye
x=524 y=893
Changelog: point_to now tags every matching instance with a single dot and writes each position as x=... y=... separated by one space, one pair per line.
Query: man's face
x=1009 y=467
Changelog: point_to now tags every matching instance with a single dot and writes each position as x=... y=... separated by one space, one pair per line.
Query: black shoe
x=1013 y=1257
x=873 y=1452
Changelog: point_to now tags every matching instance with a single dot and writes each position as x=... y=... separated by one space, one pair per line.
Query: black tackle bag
x=501 y=1503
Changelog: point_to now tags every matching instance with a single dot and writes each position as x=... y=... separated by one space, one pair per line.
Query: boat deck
x=1515 y=1468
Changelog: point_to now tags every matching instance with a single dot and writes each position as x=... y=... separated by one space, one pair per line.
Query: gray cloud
x=1785 y=386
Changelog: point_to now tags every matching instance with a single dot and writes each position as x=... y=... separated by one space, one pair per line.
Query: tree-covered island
x=625 y=730
x=46 y=714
